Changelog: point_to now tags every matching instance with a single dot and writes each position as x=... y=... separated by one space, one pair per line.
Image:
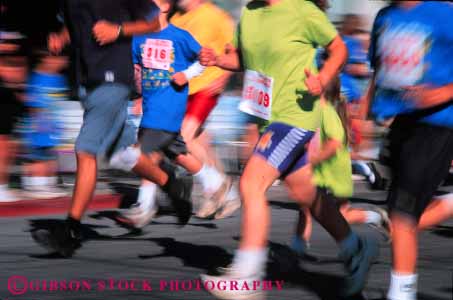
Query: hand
x=105 y=32
x=314 y=84
x=218 y=86
x=425 y=96
x=55 y=43
x=207 y=57
x=313 y=149
x=179 y=79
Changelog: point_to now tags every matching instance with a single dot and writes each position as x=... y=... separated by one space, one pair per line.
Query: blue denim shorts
x=105 y=128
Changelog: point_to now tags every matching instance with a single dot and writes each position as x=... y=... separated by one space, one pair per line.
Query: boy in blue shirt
x=164 y=63
x=46 y=85
x=410 y=51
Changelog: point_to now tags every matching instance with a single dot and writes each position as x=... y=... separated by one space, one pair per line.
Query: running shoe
x=385 y=227
x=45 y=193
x=138 y=216
x=212 y=203
x=179 y=191
x=64 y=240
x=358 y=266
x=231 y=275
x=379 y=183
x=6 y=195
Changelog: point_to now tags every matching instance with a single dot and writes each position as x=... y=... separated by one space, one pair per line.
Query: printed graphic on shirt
x=402 y=51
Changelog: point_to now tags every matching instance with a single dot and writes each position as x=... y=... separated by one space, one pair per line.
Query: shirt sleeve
x=191 y=48
x=317 y=29
x=332 y=125
x=142 y=9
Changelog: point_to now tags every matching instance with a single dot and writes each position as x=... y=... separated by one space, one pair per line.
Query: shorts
x=284 y=147
x=170 y=143
x=104 y=129
x=420 y=157
x=10 y=110
x=200 y=105
x=36 y=154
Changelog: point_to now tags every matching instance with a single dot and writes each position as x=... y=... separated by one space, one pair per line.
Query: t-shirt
x=162 y=54
x=43 y=91
x=335 y=173
x=280 y=42
x=412 y=46
x=211 y=27
x=94 y=64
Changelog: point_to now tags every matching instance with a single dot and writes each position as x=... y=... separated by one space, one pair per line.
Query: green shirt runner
x=283 y=52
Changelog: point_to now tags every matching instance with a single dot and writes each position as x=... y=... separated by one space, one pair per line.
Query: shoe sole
x=44 y=239
x=218 y=293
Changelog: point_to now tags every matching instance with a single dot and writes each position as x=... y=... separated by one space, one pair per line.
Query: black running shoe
x=63 y=239
x=180 y=191
x=379 y=183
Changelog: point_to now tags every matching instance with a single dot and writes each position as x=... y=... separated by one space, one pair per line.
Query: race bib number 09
x=157 y=54
x=257 y=95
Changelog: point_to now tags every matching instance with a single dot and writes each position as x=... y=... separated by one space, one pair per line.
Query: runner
x=213 y=28
x=99 y=45
x=333 y=171
x=281 y=86
x=164 y=86
x=410 y=52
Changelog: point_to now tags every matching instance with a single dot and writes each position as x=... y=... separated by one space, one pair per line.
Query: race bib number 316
x=257 y=95
x=157 y=54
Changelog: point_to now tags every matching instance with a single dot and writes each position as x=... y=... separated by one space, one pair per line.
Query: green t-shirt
x=280 y=41
x=335 y=173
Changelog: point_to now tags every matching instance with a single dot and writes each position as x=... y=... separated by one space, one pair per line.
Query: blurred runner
x=100 y=33
x=411 y=54
x=164 y=87
x=281 y=86
x=46 y=86
x=213 y=28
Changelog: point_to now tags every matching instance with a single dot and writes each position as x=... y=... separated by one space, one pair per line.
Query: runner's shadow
x=285 y=205
x=443 y=231
x=204 y=257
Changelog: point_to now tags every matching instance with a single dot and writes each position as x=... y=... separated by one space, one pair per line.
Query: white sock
x=36 y=182
x=52 y=181
x=402 y=287
x=233 y=193
x=210 y=179
x=147 y=195
x=3 y=187
x=373 y=217
x=250 y=262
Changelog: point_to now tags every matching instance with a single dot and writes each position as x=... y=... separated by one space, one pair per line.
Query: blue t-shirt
x=411 y=47
x=162 y=54
x=43 y=90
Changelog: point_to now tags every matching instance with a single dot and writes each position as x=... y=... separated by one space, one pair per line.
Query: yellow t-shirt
x=212 y=28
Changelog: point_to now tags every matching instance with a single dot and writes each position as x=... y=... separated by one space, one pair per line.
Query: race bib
x=257 y=95
x=157 y=54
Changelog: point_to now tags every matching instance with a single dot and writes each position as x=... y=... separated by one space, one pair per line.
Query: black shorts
x=420 y=157
x=10 y=110
x=170 y=143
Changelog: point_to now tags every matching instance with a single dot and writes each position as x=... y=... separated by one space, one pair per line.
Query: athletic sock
x=210 y=179
x=402 y=287
x=250 y=262
x=147 y=195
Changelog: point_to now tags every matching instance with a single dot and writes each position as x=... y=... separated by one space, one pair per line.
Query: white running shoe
x=211 y=204
x=139 y=216
x=45 y=193
x=7 y=195
x=228 y=209
x=229 y=276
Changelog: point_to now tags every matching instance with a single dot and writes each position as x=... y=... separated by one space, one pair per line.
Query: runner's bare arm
x=338 y=54
x=106 y=32
x=230 y=60
x=138 y=78
x=426 y=96
x=58 y=40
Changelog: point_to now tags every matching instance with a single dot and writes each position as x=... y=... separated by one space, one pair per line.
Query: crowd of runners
x=311 y=93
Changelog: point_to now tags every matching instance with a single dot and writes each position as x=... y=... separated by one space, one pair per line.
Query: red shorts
x=200 y=105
